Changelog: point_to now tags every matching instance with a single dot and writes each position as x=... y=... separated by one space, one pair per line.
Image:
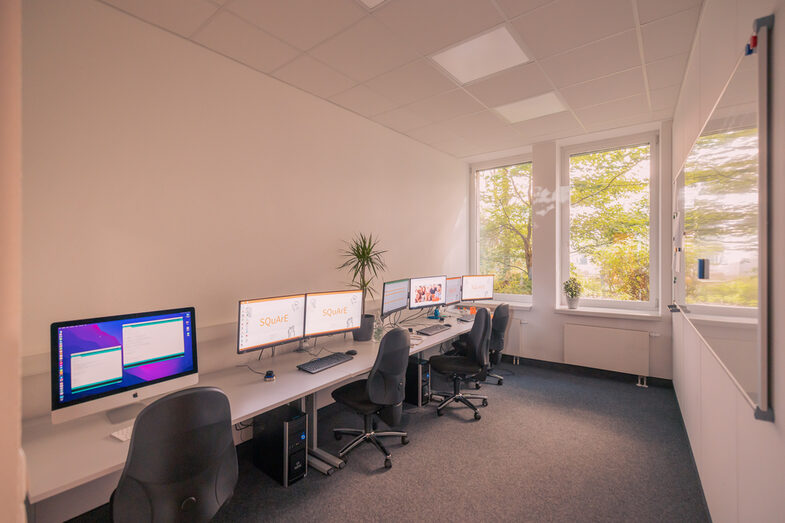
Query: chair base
x=460 y=397
x=369 y=435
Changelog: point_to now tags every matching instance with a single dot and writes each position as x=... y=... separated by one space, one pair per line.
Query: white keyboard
x=123 y=434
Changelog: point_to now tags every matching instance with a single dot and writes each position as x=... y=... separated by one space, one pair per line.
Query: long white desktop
x=73 y=454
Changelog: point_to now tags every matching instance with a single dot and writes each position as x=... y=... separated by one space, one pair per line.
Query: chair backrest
x=479 y=337
x=501 y=317
x=387 y=380
x=182 y=463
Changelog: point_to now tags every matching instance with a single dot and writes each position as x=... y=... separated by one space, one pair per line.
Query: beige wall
x=740 y=460
x=160 y=174
x=11 y=484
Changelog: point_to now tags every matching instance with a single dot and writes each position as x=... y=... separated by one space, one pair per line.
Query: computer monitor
x=332 y=312
x=477 y=287
x=104 y=363
x=265 y=322
x=427 y=292
x=395 y=296
x=453 y=292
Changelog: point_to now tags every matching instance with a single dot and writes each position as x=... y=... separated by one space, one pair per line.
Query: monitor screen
x=332 y=312
x=453 y=290
x=270 y=321
x=479 y=287
x=427 y=292
x=395 y=296
x=103 y=356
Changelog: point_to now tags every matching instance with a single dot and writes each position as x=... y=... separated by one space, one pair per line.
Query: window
x=609 y=222
x=504 y=228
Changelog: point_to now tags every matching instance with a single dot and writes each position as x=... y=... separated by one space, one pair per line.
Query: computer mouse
x=351 y=352
x=269 y=375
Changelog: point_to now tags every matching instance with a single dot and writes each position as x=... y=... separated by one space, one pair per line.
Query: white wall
x=740 y=460
x=11 y=469
x=160 y=174
x=543 y=333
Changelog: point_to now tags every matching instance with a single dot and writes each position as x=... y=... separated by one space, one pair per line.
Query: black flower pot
x=365 y=332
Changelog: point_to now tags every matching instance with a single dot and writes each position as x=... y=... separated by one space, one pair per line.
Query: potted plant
x=364 y=262
x=572 y=289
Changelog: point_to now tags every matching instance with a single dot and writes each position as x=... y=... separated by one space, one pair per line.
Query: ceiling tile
x=624 y=121
x=520 y=82
x=301 y=23
x=234 y=37
x=411 y=82
x=634 y=105
x=434 y=133
x=401 y=119
x=362 y=100
x=597 y=59
x=364 y=51
x=483 y=124
x=446 y=105
x=436 y=24
x=664 y=99
x=180 y=16
x=513 y=8
x=666 y=72
x=669 y=36
x=530 y=108
x=649 y=10
x=313 y=76
x=605 y=89
x=550 y=124
x=566 y=24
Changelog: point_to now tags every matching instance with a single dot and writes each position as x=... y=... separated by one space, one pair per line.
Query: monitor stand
x=125 y=413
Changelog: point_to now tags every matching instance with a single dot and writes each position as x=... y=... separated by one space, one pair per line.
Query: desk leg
x=317 y=457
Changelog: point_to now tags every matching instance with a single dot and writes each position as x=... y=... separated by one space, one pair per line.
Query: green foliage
x=505 y=227
x=609 y=221
x=572 y=288
x=364 y=262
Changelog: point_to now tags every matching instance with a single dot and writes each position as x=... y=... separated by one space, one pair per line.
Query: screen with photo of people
x=427 y=292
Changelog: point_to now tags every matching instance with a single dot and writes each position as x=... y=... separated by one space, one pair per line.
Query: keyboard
x=320 y=364
x=466 y=319
x=123 y=434
x=433 y=329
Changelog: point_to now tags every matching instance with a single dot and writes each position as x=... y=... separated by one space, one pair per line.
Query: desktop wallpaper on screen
x=108 y=367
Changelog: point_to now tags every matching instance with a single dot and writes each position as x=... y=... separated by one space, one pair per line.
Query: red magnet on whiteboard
x=754 y=41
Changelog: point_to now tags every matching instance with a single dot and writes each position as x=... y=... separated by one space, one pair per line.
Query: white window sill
x=611 y=313
x=514 y=305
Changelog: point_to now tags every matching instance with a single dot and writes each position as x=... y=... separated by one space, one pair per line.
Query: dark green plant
x=364 y=262
x=572 y=288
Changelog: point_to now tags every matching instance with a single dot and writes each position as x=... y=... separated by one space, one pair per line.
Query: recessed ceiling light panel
x=531 y=108
x=487 y=54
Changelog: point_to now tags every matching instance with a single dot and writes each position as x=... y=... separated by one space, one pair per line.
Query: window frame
x=474 y=229
x=563 y=244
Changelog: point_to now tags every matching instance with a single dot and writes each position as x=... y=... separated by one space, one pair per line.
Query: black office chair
x=501 y=317
x=381 y=394
x=182 y=464
x=460 y=368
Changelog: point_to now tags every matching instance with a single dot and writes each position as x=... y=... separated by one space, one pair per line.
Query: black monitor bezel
x=273 y=344
x=446 y=303
x=383 y=314
x=305 y=316
x=430 y=304
x=55 y=346
x=474 y=275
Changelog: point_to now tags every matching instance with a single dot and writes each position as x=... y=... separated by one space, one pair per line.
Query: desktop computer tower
x=418 y=381
x=280 y=444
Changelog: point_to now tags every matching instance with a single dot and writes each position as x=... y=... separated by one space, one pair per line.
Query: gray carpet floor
x=552 y=445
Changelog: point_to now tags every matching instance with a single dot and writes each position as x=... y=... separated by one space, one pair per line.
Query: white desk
x=65 y=456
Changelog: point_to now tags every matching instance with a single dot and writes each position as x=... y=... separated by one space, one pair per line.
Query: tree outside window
x=504 y=210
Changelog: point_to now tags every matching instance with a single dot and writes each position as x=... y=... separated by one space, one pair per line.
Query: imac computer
x=266 y=322
x=453 y=292
x=477 y=287
x=107 y=363
x=427 y=292
x=395 y=296
x=332 y=312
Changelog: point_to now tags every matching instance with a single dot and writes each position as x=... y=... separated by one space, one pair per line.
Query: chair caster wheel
x=500 y=382
x=388 y=463
x=439 y=413
x=477 y=416
x=338 y=436
x=476 y=386
x=404 y=440
x=484 y=403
